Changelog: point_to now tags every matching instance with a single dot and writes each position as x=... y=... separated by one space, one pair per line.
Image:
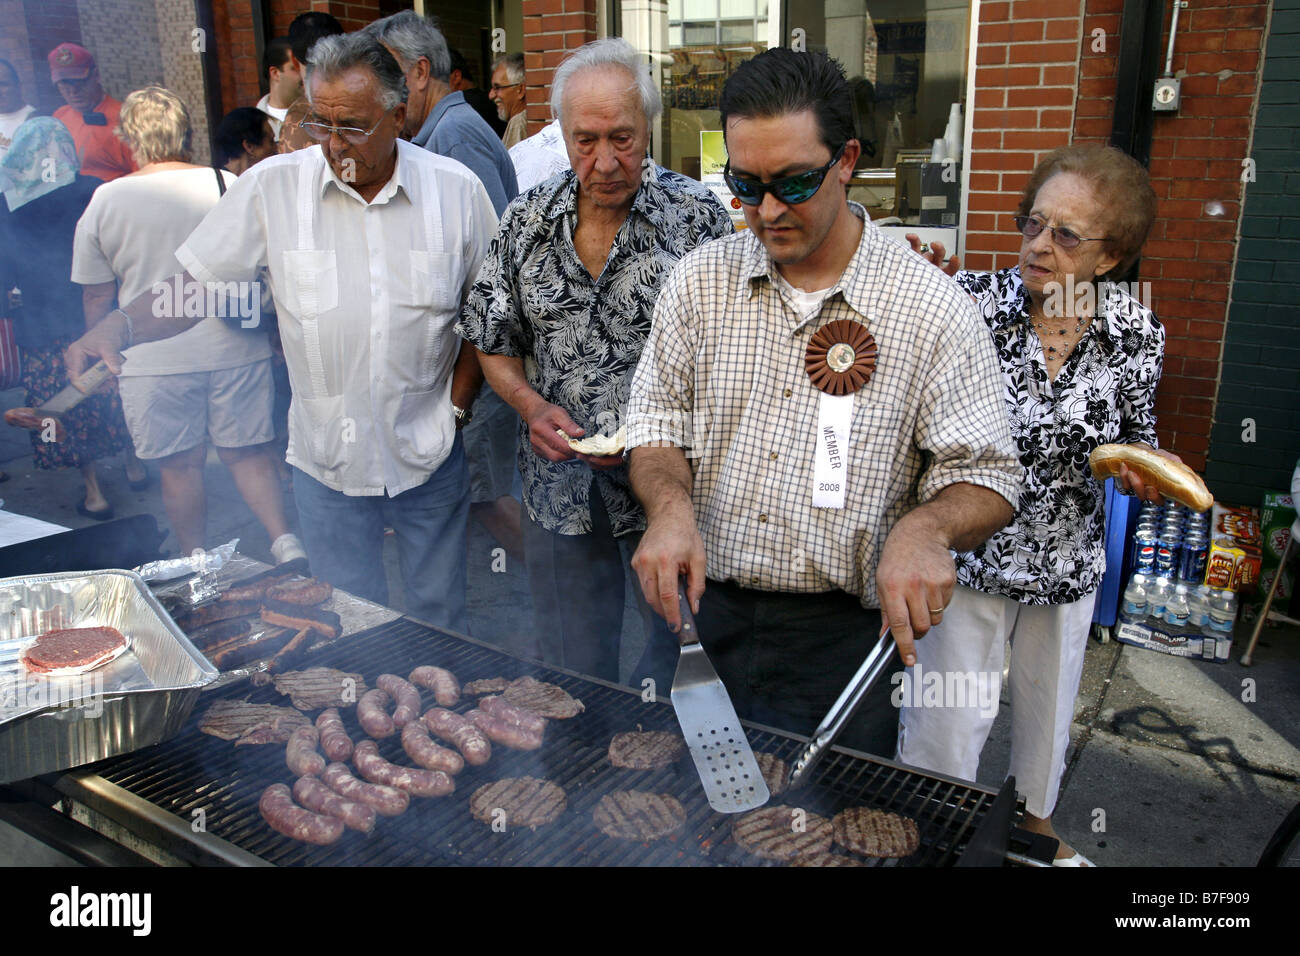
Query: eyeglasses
x=321 y=131
x=790 y=190
x=498 y=87
x=1030 y=228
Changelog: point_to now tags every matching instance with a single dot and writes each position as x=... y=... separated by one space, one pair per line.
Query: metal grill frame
x=155 y=792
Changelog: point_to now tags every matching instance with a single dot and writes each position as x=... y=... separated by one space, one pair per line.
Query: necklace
x=1064 y=349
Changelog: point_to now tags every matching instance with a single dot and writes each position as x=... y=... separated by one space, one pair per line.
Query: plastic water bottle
x=1223 y=612
x=1134 y=606
x=1199 y=607
x=1177 y=610
x=1158 y=594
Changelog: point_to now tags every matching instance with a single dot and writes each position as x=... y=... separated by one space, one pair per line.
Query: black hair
x=780 y=81
x=309 y=27
x=458 y=62
x=239 y=126
x=276 y=55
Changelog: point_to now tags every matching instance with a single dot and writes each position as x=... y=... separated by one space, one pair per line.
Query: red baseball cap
x=68 y=61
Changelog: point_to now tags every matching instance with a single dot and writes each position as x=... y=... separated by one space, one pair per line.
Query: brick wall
x=123 y=36
x=552 y=30
x=47 y=25
x=183 y=67
x=15 y=48
x=1261 y=350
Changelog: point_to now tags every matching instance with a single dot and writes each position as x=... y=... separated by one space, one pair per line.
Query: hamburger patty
x=645 y=749
x=541 y=698
x=774 y=771
x=72 y=647
x=486 y=685
x=635 y=815
x=875 y=832
x=526 y=801
x=774 y=833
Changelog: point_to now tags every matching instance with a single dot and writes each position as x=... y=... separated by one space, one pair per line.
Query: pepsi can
x=1168 y=547
x=1195 y=550
x=1144 y=551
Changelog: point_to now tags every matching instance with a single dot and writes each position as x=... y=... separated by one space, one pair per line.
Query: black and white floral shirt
x=581 y=338
x=1054 y=550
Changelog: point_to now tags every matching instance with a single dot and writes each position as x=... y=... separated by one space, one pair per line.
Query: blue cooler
x=1121 y=519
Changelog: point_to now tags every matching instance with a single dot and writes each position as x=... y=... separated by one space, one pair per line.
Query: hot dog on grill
x=334 y=739
x=519 y=716
x=285 y=816
x=325 y=623
x=216 y=611
x=300 y=752
x=505 y=733
x=443 y=683
x=315 y=796
x=387 y=801
x=407 y=697
x=288 y=656
x=461 y=733
x=418 y=783
x=236 y=655
x=372 y=714
x=212 y=636
x=310 y=591
x=420 y=748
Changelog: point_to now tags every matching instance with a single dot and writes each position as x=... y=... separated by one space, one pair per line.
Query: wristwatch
x=463 y=415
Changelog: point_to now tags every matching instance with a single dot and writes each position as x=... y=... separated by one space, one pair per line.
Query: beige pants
x=949 y=699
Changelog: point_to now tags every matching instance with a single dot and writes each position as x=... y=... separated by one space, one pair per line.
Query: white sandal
x=1077 y=860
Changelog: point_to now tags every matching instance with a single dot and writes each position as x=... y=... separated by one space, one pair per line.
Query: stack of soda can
x=1171 y=542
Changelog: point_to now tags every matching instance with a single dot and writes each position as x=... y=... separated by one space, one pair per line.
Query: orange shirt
x=102 y=154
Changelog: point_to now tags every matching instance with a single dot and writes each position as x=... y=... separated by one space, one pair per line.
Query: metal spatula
x=723 y=758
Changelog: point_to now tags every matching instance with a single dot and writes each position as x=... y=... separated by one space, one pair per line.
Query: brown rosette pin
x=841 y=357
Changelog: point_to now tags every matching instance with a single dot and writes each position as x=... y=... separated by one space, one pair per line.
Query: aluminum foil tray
x=139 y=699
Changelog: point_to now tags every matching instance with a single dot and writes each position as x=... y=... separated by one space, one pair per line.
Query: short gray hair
x=611 y=51
x=334 y=55
x=514 y=64
x=155 y=123
x=411 y=36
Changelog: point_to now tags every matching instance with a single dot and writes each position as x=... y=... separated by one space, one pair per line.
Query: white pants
x=946 y=719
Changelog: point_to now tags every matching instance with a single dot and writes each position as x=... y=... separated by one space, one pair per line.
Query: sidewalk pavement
x=1173 y=762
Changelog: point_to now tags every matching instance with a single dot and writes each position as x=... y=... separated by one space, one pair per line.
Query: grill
x=198 y=778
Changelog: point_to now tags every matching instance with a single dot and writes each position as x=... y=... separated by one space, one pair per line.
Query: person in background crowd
x=213 y=382
x=539 y=157
x=371 y=244
x=90 y=114
x=810 y=544
x=44 y=196
x=1076 y=374
x=292 y=135
x=510 y=95
x=305 y=30
x=559 y=314
x=284 y=80
x=243 y=138
x=442 y=122
x=13 y=109
x=461 y=80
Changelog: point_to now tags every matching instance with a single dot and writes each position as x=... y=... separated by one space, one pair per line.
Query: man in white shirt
x=369 y=246
x=12 y=108
x=539 y=157
x=284 y=79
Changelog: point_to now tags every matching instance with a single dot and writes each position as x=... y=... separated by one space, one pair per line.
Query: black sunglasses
x=791 y=190
x=1030 y=228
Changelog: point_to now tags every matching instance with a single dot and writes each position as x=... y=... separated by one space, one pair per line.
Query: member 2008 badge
x=841 y=357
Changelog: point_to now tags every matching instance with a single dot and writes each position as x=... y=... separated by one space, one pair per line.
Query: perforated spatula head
x=723 y=758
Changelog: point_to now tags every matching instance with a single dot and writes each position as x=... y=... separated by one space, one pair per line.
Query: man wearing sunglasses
x=369 y=244
x=817 y=419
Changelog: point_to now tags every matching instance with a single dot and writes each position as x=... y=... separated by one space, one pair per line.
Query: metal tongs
x=842 y=711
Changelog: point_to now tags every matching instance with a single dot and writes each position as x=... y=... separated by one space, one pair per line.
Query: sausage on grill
x=443 y=683
x=430 y=756
x=372 y=713
x=460 y=732
x=521 y=717
x=308 y=592
x=505 y=733
x=418 y=783
x=407 y=697
x=285 y=816
x=334 y=739
x=325 y=623
x=315 y=796
x=387 y=801
x=300 y=752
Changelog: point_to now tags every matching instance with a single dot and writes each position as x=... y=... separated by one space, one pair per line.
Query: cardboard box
x=1235 y=556
x=1276 y=516
x=1183 y=643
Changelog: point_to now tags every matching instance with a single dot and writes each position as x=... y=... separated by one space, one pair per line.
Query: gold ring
x=937 y=610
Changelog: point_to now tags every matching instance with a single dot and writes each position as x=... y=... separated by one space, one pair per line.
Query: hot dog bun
x=1173 y=479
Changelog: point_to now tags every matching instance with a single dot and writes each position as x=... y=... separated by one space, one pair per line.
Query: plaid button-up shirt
x=722 y=377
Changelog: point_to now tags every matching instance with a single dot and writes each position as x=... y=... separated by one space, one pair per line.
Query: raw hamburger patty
x=635 y=815
x=645 y=749
x=527 y=801
x=771 y=834
x=875 y=832
x=541 y=698
x=72 y=647
x=774 y=771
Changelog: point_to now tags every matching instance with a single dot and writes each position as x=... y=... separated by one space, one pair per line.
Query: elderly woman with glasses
x=1081 y=359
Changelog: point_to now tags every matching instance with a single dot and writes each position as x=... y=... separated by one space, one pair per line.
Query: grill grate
x=196 y=776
